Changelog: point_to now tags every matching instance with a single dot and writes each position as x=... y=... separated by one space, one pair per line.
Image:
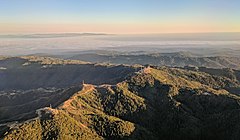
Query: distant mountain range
x=51 y=98
x=38 y=72
x=178 y=59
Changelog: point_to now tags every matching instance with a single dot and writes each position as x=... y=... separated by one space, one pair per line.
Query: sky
x=119 y=16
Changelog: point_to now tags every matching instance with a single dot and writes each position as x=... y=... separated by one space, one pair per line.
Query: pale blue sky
x=110 y=15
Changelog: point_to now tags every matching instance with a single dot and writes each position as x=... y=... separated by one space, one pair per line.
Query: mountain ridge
x=151 y=104
x=176 y=59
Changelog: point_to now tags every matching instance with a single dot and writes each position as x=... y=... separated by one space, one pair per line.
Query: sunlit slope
x=154 y=103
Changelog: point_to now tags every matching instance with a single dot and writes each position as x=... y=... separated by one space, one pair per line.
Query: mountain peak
x=148 y=103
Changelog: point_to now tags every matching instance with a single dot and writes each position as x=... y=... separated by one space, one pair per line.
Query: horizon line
x=104 y=33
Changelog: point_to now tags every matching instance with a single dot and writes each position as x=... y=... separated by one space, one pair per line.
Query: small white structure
x=3 y=68
x=206 y=93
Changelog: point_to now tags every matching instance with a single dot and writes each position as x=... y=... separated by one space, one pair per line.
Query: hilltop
x=153 y=103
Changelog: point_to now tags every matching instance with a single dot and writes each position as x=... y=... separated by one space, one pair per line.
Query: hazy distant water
x=61 y=43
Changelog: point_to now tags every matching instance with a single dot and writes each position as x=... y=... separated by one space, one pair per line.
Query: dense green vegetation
x=155 y=103
x=58 y=126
